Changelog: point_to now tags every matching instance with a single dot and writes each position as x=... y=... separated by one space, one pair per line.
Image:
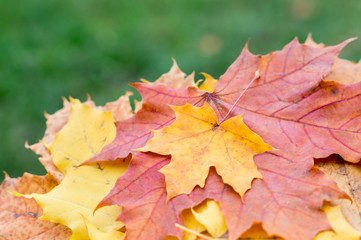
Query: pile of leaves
x=268 y=151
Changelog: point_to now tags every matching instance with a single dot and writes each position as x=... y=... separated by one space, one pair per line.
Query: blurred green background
x=50 y=49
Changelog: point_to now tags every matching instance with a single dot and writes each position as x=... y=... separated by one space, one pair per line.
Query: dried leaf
x=175 y=78
x=19 y=217
x=288 y=198
x=347 y=176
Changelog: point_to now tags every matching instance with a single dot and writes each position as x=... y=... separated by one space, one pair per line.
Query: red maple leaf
x=141 y=192
x=291 y=98
x=287 y=200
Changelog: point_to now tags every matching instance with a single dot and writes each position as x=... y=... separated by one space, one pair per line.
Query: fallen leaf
x=86 y=133
x=347 y=176
x=19 y=217
x=290 y=97
x=209 y=215
x=82 y=188
x=120 y=109
x=345 y=71
x=95 y=234
x=196 y=142
x=341 y=228
x=284 y=76
x=175 y=78
x=135 y=132
x=141 y=193
x=287 y=200
x=229 y=201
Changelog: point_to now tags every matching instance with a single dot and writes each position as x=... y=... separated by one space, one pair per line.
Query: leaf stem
x=256 y=76
x=194 y=232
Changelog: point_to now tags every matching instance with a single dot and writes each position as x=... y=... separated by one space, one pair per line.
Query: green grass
x=50 y=49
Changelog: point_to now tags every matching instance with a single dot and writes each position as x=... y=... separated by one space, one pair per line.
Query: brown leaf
x=19 y=216
x=175 y=78
x=347 y=176
x=342 y=71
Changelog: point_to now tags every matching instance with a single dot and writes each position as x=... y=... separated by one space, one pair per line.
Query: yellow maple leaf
x=196 y=142
x=88 y=130
x=83 y=187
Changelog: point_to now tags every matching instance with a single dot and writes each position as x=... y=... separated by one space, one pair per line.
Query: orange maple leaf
x=196 y=143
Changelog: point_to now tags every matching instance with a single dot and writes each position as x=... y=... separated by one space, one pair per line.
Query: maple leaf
x=299 y=99
x=196 y=142
x=141 y=192
x=290 y=97
x=120 y=109
x=347 y=176
x=82 y=188
x=288 y=198
x=19 y=217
